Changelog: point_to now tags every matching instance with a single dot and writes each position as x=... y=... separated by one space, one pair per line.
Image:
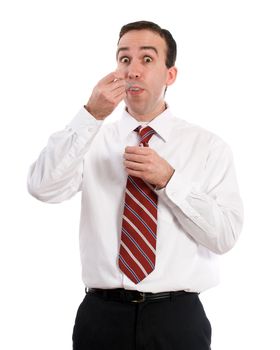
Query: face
x=141 y=59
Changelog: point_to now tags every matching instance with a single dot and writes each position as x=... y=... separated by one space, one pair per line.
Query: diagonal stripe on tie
x=141 y=206
x=145 y=193
x=141 y=247
x=137 y=255
x=124 y=266
x=138 y=234
x=134 y=257
x=139 y=220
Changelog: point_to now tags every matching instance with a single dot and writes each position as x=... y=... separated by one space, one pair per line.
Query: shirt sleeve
x=211 y=212
x=57 y=173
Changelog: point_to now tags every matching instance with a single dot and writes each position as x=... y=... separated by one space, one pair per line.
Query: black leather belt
x=134 y=296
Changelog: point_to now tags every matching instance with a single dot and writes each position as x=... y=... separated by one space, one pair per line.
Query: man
x=160 y=201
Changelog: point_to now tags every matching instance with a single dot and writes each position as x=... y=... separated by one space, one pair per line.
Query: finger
x=109 y=78
x=118 y=91
x=118 y=96
x=134 y=165
x=139 y=158
x=135 y=173
x=118 y=85
x=138 y=150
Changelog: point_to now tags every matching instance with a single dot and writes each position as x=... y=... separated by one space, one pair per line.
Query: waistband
x=134 y=296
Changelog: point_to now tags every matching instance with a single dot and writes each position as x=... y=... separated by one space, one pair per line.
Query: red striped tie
x=139 y=225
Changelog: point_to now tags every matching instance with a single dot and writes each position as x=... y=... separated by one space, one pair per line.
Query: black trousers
x=176 y=323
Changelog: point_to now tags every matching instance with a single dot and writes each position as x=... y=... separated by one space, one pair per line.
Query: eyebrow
x=141 y=48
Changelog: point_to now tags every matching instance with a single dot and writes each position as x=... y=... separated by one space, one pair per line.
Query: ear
x=171 y=75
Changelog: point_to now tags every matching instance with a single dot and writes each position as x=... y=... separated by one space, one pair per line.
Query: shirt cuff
x=176 y=190
x=178 y=194
x=84 y=120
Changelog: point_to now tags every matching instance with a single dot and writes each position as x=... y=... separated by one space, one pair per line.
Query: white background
x=52 y=54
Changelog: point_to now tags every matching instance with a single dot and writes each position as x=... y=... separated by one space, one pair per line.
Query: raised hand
x=106 y=95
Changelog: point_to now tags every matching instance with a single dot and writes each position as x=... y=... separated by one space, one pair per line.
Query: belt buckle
x=141 y=300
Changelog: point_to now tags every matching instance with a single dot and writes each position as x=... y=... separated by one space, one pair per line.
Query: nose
x=133 y=75
x=134 y=70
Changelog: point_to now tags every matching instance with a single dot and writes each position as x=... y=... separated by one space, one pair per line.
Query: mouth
x=134 y=89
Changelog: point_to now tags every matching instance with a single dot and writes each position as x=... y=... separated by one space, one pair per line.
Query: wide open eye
x=124 y=59
x=148 y=59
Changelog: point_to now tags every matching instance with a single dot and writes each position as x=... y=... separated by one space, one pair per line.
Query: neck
x=147 y=117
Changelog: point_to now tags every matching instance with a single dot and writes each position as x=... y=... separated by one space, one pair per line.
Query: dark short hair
x=164 y=33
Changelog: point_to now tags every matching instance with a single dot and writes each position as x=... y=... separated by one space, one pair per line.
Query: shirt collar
x=162 y=124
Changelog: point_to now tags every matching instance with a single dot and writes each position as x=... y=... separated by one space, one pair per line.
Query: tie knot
x=145 y=134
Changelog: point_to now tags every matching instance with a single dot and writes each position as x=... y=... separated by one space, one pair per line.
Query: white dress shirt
x=199 y=212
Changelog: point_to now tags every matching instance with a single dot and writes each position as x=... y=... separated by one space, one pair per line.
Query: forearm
x=57 y=173
x=210 y=212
